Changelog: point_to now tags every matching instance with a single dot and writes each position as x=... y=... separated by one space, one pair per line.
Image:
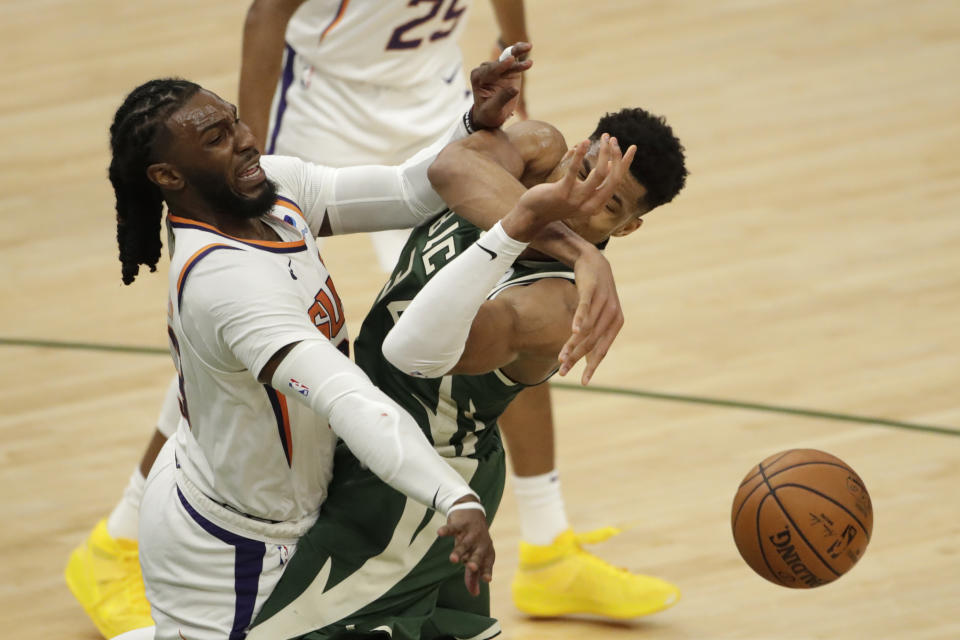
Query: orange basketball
x=802 y=518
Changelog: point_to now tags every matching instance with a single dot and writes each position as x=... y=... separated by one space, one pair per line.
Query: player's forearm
x=431 y=333
x=511 y=20
x=374 y=197
x=478 y=177
x=378 y=432
x=261 y=60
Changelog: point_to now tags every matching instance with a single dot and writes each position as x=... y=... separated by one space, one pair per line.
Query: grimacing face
x=620 y=216
x=207 y=148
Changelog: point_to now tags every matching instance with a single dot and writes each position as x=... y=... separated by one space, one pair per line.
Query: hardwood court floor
x=811 y=262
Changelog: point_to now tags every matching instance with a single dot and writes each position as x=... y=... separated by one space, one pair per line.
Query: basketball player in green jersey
x=463 y=325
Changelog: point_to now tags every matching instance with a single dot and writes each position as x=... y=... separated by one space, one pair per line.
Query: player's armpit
x=521 y=331
x=266 y=374
x=489 y=345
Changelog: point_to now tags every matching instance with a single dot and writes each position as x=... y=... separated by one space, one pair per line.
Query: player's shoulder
x=221 y=263
x=286 y=172
x=297 y=181
x=272 y=164
x=536 y=132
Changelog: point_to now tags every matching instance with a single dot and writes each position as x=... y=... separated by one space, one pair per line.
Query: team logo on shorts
x=299 y=387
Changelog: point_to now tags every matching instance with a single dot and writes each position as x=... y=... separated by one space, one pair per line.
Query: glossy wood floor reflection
x=812 y=262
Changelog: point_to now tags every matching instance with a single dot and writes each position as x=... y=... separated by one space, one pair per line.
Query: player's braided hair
x=658 y=164
x=139 y=201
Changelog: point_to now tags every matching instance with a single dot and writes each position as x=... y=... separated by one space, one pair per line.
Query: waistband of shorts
x=286 y=533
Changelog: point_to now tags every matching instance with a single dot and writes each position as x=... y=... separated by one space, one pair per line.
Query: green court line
x=81 y=346
x=754 y=406
x=565 y=386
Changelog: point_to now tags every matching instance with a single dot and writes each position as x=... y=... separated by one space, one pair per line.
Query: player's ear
x=628 y=228
x=165 y=176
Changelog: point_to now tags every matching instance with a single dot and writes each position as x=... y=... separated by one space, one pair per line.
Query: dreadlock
x=658 y=164
x=140 y=202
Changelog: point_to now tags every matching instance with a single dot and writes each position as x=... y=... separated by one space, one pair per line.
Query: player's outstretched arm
x=260 y=61
x=430 y=336
x=373 y=198
x=387 y=441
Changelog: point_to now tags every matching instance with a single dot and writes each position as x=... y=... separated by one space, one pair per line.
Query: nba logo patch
x=299 y=387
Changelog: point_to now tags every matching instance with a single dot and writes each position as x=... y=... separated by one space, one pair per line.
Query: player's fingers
x=599 y=352
x=582 y=347
x=616 y=167
x=521 y=50
x=472 y=582
x=508 y=65
x=501 y=97
x=604 y=191
x=576 y=162
x=588 y=188
x=566 y=359
x=597 y=183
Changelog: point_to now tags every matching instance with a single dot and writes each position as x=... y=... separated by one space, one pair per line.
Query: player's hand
x=472 y=546
x=599 y=316
x=521 y=110
x=570 y=197
x=497 y=87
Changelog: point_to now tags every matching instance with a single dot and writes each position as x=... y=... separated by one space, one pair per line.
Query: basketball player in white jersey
x=203 y=487
x=255 y=321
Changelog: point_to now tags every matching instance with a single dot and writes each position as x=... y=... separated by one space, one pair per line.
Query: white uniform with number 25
x=369 y=82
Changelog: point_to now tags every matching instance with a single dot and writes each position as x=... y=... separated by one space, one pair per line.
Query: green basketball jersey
x=457 y=413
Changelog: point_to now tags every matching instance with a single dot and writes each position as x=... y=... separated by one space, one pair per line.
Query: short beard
x=220 y=197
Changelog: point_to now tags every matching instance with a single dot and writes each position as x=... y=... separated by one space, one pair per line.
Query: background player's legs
x=556 y=576
x=103 y=573
x=527 y=428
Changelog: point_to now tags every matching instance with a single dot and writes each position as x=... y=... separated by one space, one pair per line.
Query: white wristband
x=467 y=505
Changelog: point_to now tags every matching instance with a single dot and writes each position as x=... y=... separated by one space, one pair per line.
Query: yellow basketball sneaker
x=561 y=579
x=104 y=575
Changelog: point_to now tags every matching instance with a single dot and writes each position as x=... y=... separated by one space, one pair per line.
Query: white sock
x=542 y=514
x=125 y=517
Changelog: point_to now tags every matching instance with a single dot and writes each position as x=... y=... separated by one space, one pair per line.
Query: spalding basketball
x=802 y=518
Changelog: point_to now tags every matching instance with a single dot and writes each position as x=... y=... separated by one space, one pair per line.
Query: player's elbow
x=406 y=355
x=445 y=169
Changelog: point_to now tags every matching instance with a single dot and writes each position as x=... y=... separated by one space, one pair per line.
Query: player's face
x=622 y=213
x=217 y=156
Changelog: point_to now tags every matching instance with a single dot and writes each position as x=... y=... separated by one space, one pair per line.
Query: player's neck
x=231 y=225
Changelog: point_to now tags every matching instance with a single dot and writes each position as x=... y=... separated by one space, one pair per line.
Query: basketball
x=802 y=518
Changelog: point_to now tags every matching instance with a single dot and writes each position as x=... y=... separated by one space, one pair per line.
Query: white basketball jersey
x=233 y=304
x=392 y=43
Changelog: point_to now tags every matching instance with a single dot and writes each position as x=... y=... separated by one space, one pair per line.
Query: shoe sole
x=549 y=605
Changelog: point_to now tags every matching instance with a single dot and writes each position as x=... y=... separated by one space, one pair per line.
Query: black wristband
x=468 y=121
